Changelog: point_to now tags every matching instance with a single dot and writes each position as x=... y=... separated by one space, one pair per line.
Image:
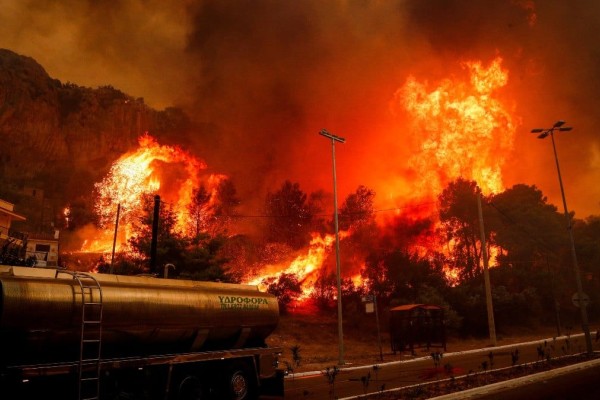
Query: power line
x=329 y=214
x=521 y=227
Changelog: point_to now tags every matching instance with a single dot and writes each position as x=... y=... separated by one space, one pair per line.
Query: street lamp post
x=543 y=133
x=334 y=139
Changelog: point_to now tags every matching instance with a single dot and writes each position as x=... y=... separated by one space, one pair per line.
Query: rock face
x=49 y=128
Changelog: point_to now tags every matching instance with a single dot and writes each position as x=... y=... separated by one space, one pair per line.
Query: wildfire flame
x=467 y=132
x=305 y=266
x=465 y=129
x=141 y=172
x=67 y=215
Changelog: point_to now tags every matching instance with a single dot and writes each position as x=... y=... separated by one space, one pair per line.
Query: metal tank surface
x=41 y=315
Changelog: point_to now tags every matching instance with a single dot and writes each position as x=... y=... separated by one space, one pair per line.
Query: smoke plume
x=261 y=77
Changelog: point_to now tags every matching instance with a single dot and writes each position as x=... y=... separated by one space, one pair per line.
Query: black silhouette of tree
x=286 y=288
x=460 y=226
x=290 y=216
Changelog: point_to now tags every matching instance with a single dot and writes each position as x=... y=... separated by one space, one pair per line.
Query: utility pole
x=153 y=243
x=486 y=274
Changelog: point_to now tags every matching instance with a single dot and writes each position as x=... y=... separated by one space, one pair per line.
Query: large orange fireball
x=151 y=168
x=465 y=128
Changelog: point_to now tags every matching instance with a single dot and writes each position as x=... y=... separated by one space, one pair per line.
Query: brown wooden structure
x=417 y=326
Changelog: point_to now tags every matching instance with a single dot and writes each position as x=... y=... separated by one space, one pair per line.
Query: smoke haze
x=262 y=77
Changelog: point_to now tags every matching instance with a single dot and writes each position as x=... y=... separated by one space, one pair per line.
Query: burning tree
x=196 y=257
x=357 y=209
x=358 y=218
x=189 y=232
x=286 y=287
x=225 y=205
x=198 y=210
x=211 y=211
x=460 y=227
x=172 y=244
x=290 y=216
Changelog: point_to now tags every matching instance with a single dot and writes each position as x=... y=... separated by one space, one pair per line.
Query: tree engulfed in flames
x=306 y=267
x=463 y=130
x=466 y=131
x=137 y=174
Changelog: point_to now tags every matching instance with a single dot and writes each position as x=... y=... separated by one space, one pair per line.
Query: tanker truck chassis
x=72 y=335
x=231 y=374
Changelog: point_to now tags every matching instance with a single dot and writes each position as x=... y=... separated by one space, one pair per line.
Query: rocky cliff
x=55 y=134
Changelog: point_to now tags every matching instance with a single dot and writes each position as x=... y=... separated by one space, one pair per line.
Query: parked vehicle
x=73 y=335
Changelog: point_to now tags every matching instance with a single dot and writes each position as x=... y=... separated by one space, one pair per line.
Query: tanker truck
x=74 y=335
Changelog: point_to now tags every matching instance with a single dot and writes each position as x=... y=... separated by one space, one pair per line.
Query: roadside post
x=370 y=302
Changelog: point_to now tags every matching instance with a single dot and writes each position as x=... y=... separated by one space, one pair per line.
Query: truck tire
x=191 y=388
x=241 y=385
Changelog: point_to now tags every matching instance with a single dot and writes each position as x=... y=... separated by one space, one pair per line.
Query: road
x=354 y=381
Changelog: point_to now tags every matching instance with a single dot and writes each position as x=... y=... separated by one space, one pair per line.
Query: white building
x=43 y=246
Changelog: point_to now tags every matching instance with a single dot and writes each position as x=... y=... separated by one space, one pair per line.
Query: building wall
x=45 y=251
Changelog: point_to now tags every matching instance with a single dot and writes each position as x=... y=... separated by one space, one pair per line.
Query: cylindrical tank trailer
x=41 y=315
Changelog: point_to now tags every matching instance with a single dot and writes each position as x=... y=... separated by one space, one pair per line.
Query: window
x=42 y=247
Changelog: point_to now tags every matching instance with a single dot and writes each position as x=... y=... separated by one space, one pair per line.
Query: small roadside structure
x=11 y=241
x=417 y=326
x=44 y=247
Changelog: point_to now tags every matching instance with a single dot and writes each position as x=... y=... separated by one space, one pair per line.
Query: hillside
x=60 y=137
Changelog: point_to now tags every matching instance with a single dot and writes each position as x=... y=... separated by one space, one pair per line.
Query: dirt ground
x=317 y=340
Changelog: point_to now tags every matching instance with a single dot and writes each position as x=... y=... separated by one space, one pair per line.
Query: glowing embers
x=466 y=131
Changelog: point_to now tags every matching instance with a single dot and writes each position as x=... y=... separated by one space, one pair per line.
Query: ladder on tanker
x=91 y=334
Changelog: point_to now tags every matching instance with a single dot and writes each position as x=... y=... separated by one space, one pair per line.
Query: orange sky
x=261 y=78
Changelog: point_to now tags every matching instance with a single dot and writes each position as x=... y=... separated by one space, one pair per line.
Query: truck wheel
x=241 y=385
x=191 y=388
